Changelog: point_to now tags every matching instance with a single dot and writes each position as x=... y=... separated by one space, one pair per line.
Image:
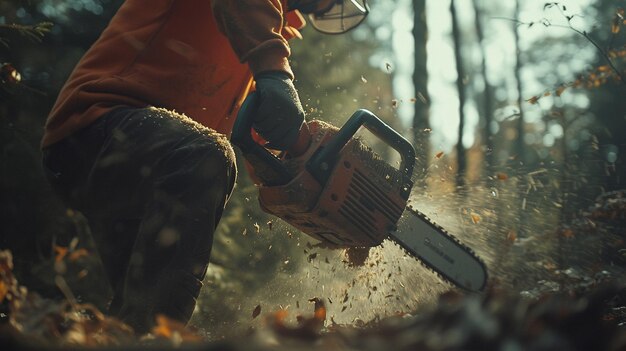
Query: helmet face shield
x=340 y=16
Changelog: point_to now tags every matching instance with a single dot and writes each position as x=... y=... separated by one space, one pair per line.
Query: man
x=137 y=139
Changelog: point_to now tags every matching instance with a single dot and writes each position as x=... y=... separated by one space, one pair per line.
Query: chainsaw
x=341 y=192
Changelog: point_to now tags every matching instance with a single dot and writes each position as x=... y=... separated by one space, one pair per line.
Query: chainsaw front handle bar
x=321 y=164
x=271 y=170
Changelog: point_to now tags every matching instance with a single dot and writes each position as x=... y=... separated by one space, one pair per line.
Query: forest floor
x=566 y=310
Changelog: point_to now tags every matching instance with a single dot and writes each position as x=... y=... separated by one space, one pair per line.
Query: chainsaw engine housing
x=357 y=201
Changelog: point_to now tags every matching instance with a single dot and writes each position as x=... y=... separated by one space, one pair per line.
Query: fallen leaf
x=567 y=233
x=4 y=290
x=475 y=218
x=320 y=309
x=533 y=100
x=280 y=316
x=82 y=274
x=75 y=255
x=439 y=154
x=549 y=266
x=256 y=312
x=511 y=236
x=502 y=176
x=61 y=252
x=174 y=330
x=615 y=27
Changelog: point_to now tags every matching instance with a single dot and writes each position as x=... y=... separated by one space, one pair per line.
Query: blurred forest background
x=517 y=110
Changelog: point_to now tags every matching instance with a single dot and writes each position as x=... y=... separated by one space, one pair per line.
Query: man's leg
x=155 y=193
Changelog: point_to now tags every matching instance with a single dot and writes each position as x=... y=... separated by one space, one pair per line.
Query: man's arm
x=253 y=28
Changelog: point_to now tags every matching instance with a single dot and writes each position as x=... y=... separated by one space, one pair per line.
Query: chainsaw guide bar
x=440 y=251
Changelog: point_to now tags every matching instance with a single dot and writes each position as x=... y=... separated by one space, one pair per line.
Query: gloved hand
x=280 y=114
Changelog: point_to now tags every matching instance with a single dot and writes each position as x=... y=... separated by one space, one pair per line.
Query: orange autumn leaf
x=4 y=290
x=320 y=310
x=279 y=317
x=615 y=27
x=61 y=252
x=511 y=236
x=502 y=176
x=475 y=218
x=162 y=328
x=173 y=329
x=617 y=21
x=439 y=154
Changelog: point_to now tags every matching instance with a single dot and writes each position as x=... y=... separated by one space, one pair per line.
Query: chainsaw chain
x=453 y=238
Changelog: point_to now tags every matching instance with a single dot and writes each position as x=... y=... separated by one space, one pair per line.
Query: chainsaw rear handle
x=321 y=164
x=267 y=166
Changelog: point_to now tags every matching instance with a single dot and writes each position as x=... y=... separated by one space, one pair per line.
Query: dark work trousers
x=153 y=185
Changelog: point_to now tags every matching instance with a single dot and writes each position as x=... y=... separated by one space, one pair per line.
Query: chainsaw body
x=339 y=190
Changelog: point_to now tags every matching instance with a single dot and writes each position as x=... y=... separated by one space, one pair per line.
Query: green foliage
x=34 y=32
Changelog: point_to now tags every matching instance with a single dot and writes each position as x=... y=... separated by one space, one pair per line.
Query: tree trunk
x=460 y=150
x=487 y=93
x=421 y=124
x=519 y=149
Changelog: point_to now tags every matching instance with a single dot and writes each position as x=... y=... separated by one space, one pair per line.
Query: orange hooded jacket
x=196 y=57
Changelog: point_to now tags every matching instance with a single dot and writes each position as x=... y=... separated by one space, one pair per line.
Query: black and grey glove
x=280 y=114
